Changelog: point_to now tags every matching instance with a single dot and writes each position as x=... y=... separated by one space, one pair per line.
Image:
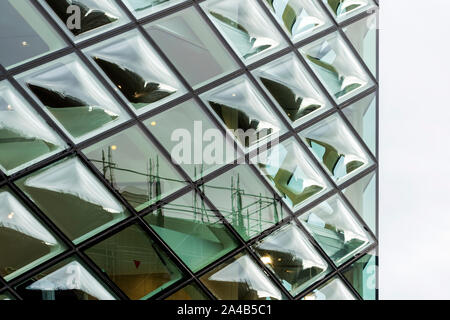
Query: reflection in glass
x=141 y=8
x=25 y=34
x=334 y=289
x=95 y=15
x=240 y=23
x=130 y=162
x=362 y=276
x=70 y=195
x=289 y=169
x=6 y=296
x=242 y=110
x=189 y=119
x=336 y=148
x=337 y=67
x=25 y=138
x=192 y=230
x=136 y=70
x=336 y=229
x=135 y=263
x=190 y=292
x=24 y=241
x=192 y=46
x=244 y=201
x=343 y=9
x=240 y=278
x=68 y=280
x=299 y=18
x=73 y=97
x=292 y=258
x=292 y=89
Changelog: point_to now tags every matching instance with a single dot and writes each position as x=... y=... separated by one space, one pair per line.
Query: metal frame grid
x=137 y=217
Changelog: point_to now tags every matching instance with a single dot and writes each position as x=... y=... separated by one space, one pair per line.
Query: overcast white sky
x=415 y=149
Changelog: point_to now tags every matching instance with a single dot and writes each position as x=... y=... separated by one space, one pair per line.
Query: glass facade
x=188 y=150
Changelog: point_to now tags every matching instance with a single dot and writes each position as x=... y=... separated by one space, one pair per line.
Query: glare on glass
x=334 y=289
x=344 y=9
x=141 y=8
x=362 y=275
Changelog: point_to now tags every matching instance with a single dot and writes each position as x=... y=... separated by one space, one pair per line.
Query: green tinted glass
x=192 y=230
x=135 y=263
x=362 y=276
x=190 y=292
x=72 y=197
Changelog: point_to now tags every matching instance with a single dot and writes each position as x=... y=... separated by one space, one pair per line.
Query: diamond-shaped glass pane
x=85 y=18
x=246 y=28
x=136 y=70
x=192 y=47
x=362 y=275
x=25 y=138
x=72 y=197
x=141 y=8
x=344 y=9
x=135 y=263
x=336 y=229
x=299 y=18
x=190 y=292
x=336 y=148
x=334 y=289
x=289 y=169
x=244 y=201
x=74 y=99
x=292 y=258
x=68 y=280
x=24 y=32
x=290 y=86
x=240 y=278
x=192 y=139
x=130 y=162
x=336 y=66
x=192 y=230
x=25 y=241
x=244 y=112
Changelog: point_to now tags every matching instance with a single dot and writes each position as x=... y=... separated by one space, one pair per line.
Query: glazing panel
x=135 y=263
x=190 y=292
x=72 y=197
x=24 y=241
x=240 y=23
x=344 y=9
x=334 y=289
x=141 y=8
x=292 y=258
x=240 y=278
x=192 y=230
x=291 y=88
x=135 y=167
x=192 y=46
x=136 y=71
x=362 y=275
x=244 y=201
x=25 y=138
x=74 y=99
x=6 y=296
x=68 y=280
x=25 y=34
x=336 y=229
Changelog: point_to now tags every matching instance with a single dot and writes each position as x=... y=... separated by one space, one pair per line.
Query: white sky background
x=415 y=149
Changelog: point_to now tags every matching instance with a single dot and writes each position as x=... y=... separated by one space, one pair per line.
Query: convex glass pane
x=73 y=198
x=190 y=292
x=141 y=8
x=334 y=289
x=344 y=9
x=362 y=275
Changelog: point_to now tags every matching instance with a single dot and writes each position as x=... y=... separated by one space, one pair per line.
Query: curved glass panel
x=299 y=18
x=134 y=167
x=136 y=70
x=240 y=23
x=362 y=275
x=291 y=88
x=344 y=9
x=24 y=241
x=25 y=138
x=244 y=201
x=336 y=67
x=190 y=292
x=290 y=170
x=68 y=280
x=70 y=195
x=334 y=289
x=85 y=18
x=336 y=229
x=192 y=230
x=244 y=112
x=240 y=278
x=73 y=97
x=191 y=45
x=292 y=258
x=135 y=263
x=334 y=145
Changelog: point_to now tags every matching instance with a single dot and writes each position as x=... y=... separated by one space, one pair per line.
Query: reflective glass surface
x=335 y=289
x=362 y=275
x=344 y=9
x=6 y=296
x=141 y=8
x=190 y=292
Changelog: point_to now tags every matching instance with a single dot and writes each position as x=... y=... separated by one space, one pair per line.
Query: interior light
x=153 y=123
x=266 y=259
x=24 y=43
x=11 y=215
x=113 y=147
